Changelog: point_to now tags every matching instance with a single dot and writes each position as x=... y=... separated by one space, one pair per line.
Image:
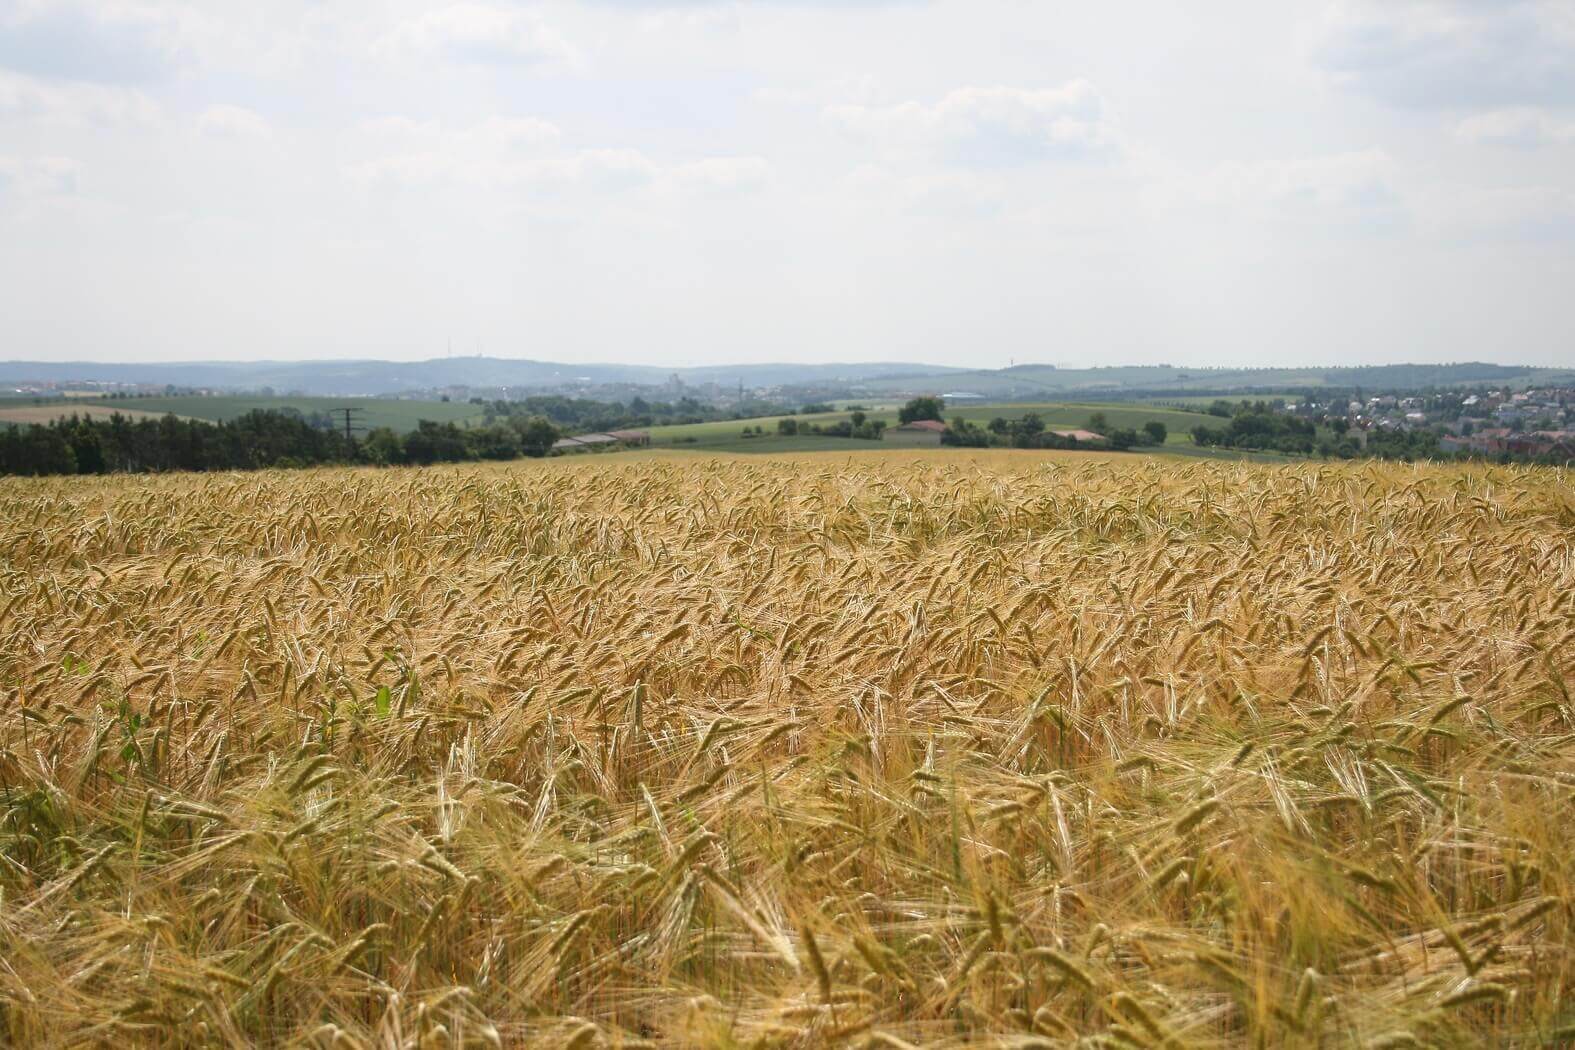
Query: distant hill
x=349 y=378
x=342 y=378
x=1033 y=380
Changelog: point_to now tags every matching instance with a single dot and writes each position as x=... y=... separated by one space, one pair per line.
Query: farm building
x=585 y=442
x=580 y=442
x=633 y=438
x=919 y=432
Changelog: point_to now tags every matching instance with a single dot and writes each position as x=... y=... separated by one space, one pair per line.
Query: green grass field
x=727 y=430
x=720 y=436
x=1072 y=414
x=727 y=435
x=777 y=445
x=371 y=412
x=1202 y=402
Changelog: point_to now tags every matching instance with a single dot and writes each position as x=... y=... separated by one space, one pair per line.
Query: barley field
x=22 y=414
x=896 y=749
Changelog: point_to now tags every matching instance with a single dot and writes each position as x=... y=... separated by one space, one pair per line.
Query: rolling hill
x=1022 y=382
x=368 y=378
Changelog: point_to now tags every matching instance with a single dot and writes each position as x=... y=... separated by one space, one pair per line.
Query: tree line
x=256 y=440
x=584 y=414
x=857 y=425
x=1257 y=426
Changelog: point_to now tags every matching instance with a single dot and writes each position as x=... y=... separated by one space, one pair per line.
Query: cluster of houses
x=1559 y=444
x=1534 y=423
x=1551 y=402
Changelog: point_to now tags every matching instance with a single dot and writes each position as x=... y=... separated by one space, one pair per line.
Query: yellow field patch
x=49 y=413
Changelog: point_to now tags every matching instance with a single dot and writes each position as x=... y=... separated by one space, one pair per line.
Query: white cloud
x=1370 y=191
x=994 y=126
x=1459 y=54
x=512 y=153
x=724 y=175
x=39 y=176
x=695 y=171
x=73 y=103
x=481 y=34
x=700 y=5
x=864 y=90
x=1513 y=213
x=496 y=152
x=1523 y=127
x=493 y=136
x=710 y=17
x=1358 y=188
x=608 y=170
x=101 y=42
x=948 y=195
x=235 y=122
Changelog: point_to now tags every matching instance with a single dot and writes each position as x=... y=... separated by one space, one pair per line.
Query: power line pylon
x=353 y=423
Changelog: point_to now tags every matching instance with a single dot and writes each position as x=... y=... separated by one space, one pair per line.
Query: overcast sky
x=949 y=181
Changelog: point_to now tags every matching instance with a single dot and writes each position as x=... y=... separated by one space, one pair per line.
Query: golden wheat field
x=928 y=749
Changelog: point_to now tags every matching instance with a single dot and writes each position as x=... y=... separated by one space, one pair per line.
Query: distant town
x=1535 y=423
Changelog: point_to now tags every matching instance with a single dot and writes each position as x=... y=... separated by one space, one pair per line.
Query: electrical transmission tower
x=353 y=422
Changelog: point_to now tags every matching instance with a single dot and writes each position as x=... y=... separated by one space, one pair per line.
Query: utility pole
x=352 y=422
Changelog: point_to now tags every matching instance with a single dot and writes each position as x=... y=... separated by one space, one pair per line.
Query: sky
x=967 y=182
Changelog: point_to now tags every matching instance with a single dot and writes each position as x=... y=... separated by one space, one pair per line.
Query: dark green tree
x=965 y=434
x=921 y=408
x=436 y=443
x=1121 y=438
x=537 y=435
x=383 y=447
